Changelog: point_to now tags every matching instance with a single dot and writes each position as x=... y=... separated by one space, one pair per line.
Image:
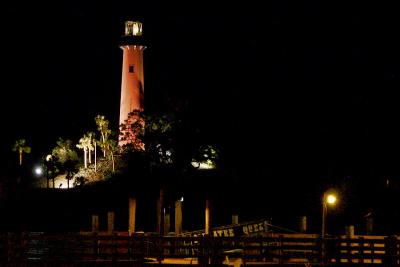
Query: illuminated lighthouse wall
x=132 y=84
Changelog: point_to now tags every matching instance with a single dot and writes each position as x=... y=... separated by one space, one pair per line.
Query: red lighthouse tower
x=132 y=84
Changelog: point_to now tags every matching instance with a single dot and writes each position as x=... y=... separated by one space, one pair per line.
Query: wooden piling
x=235 y=219
x=95 y=223
x=207 y=230
x=178 y=217
x=132 y=216
x=110 y=220
x=160 y=213
x=303 y=224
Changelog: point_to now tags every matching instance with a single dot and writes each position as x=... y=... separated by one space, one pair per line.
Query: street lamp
x=38 y=171
x=328 y=199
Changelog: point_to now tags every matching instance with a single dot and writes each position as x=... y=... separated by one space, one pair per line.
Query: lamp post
x=328 y=199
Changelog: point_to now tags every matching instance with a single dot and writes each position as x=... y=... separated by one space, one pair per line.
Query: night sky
x=293 y=94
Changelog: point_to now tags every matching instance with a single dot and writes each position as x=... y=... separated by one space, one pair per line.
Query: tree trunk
x=48 y=182
x=95 y=157
x=104 y=145
x=160 y=213
x=54 y=186
x=90 y=156
x=113 y=163
x=85 y=157
x=20 y=158
x=68 y=182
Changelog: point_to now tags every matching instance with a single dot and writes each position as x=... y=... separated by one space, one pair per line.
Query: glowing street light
x=329 y=199
x=38 y=171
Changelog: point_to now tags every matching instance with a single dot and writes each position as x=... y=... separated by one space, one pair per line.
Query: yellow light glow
x=331 y=199
x=133 y=28
x=207 y=165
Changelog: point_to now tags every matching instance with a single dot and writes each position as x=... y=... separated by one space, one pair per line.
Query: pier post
x=95 y=223
x=208 y=218
x=303 y=224
x=160 y=213
x=110 y=222
x=235 y=219
x=132 y=215
x=178 y=217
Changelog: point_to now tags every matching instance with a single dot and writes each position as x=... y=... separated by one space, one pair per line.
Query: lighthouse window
x=131 y=69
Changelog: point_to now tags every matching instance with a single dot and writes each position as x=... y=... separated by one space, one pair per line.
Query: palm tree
x=91 y=143
x=95 y=143
x=21 y=148
x=112 y=147
x=70 y=168
x=84 y=143
x=102 y=126
x=51 y=169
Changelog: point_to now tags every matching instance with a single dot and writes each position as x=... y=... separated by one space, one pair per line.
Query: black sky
x=286 y=90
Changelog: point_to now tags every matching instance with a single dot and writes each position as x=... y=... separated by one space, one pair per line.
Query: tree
x=205 y=157
x=112 y=147
x=63 y=151
x=168 y=142
x=21 y=147
x=102 y=127
x=132 y=131
x=146 y=144
x=149 y=133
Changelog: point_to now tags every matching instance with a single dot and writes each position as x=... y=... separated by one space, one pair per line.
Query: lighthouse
x=132 y=82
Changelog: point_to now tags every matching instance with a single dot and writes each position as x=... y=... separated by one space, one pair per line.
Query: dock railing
x=276 y=248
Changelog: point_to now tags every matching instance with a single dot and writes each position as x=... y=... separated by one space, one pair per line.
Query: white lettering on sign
x=223 y=233
x=245 y=230
x=254 y=228
x=231 y=232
